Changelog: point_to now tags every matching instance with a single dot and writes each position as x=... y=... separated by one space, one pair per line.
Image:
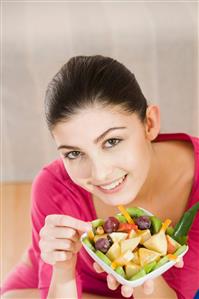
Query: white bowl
x=122 y=280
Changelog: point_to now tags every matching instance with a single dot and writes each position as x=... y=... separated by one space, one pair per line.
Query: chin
x=118 y=201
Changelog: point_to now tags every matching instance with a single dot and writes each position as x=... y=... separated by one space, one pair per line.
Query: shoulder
x=53 y=190
x=192 y=141
x=187 y=153
x=50 y=177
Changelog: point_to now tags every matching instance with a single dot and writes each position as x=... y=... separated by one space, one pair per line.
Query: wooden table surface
x=15 y=223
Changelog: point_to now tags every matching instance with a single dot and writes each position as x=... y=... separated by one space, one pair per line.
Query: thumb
x=85 y=228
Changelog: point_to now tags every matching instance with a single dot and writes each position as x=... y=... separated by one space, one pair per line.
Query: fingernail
x=180 y=264
x=112 y=283
x=110 y=278
x=127 y=291
x=148 y=287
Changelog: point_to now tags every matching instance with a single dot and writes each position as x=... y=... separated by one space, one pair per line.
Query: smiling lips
x=113 y=187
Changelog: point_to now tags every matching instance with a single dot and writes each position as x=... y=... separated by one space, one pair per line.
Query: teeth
x=113 y=185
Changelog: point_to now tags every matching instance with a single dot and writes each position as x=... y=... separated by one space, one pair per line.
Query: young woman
x=112 y=153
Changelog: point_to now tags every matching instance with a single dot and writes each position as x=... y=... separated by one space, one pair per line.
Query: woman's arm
x=63 y=282
x=161 y=291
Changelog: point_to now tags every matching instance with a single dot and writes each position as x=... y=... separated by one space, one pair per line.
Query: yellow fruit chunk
x=157 y=242
x=132 y=234
x=147 y=256
x=117 y=237
x=145 y=235
x=91 y=235
x=114 y=252
x=114 y=265
x=126 y=214
x=100 y=230
x=123 y=259
x=136 y=258
x=131 y=269
x=129 y=244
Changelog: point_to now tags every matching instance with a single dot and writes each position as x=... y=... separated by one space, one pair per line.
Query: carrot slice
x=114 y=265
x=126 y=214
x=165 y=224
x=172 y=257
x=91 y=235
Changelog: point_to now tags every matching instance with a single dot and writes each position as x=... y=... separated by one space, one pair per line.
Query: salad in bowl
x=135 y=245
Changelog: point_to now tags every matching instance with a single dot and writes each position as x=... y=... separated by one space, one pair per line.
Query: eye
x=72 y=155
x=112 y=142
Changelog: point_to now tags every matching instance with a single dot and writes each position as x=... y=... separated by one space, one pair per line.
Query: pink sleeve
x=49 y=195
x=185 y=281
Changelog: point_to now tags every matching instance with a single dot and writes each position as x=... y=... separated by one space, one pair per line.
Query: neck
x=153 y=183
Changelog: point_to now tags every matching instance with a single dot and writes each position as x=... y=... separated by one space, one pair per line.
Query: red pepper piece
x=127 y=227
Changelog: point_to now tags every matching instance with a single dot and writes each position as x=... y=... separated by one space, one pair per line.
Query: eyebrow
x=97 y=140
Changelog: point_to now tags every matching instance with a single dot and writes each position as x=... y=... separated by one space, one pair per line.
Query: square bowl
x=122 y=280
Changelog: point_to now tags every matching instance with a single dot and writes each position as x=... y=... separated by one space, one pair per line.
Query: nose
x=100 y=172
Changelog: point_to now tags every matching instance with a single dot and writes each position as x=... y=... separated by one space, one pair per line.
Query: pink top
x=53 y=192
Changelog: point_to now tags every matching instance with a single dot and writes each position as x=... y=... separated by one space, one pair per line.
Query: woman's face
x=106 y=152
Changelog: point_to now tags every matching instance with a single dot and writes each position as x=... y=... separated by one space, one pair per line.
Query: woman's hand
x=60 y=239
x=148 y=286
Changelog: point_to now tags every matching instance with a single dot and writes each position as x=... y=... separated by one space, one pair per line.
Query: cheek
x=138 y=162
x=76 y=171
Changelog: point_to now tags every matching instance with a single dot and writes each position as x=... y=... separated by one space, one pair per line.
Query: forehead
x=91 y=122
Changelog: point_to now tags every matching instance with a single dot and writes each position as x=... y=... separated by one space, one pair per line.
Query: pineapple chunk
x=132 y=234
x=131 y=269
x=145 y=235
x=129 y=244
x=117 y=237
x=114 y=251
x=136 y=258
x=147 y=256
x=124 y=258
x=157 y=242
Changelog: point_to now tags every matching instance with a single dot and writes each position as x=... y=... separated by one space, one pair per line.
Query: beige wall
x=156 y=40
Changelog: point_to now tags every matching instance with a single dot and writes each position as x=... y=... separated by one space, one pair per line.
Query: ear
x=152 y=122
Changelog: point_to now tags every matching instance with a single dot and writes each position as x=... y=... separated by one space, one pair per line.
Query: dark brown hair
x=88 y=80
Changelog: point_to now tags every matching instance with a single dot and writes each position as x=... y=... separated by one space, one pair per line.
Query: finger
x=112 y=282
x=148 y=287
x=126 y=291
x=64 y=233
x=63 y=220
x=97 y=268
x=78 y=246
x=180 y=263
x=49 y=234
x=58 y=244
x=61 y=244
